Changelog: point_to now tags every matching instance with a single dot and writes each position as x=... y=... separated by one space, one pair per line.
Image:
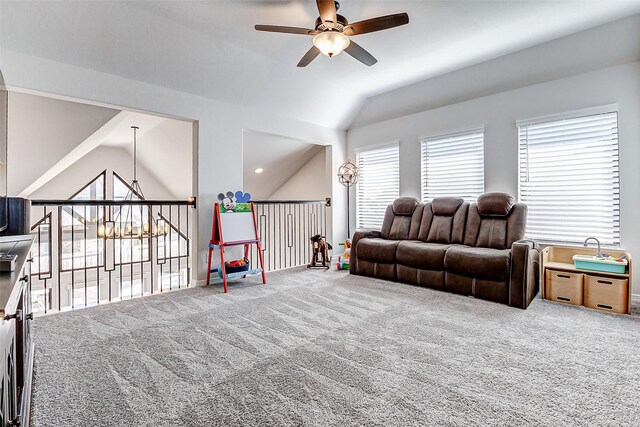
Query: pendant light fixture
x=331 y=43
x=127 y=227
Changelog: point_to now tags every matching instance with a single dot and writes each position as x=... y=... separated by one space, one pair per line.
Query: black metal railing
x=88 y=252
x=285 y=228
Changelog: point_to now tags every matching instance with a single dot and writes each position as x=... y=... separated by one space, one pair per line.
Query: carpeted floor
x=324 y=348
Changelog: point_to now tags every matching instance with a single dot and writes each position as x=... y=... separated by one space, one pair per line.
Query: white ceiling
x=164 y=148
x=278 y=156
x=43 y=131
x=211 y=49
x=64 y=132
x=121 y=135
x=604 y=46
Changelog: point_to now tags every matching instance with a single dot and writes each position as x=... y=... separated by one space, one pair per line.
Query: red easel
x=217 y=242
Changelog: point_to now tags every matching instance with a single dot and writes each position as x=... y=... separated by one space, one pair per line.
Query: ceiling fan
x=332 y=33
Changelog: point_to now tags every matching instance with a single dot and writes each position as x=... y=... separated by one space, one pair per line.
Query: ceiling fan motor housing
x=342 y=22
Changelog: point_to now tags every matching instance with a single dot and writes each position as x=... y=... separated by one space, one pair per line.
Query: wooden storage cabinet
x=9 y=397
x=594 y=289
x=564 y=286
x=16 y=346
x=605 y=293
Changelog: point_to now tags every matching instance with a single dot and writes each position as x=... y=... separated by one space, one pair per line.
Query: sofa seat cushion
x=418 y=254
x=378 y=250
x=480 y=263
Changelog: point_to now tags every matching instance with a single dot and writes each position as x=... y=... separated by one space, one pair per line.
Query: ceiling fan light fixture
x=331 y=43
x=332 y=32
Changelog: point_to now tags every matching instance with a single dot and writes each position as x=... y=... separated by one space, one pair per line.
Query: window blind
x=378 y=184
x=570 y=179
x=453 y=165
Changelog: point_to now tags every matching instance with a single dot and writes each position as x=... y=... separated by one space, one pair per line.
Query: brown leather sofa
x=451 y=245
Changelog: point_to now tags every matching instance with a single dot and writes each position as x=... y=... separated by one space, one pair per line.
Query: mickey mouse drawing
x=228 y=200
x=237 y=202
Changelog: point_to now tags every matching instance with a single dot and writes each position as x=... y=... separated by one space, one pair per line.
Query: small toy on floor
x=343 y=260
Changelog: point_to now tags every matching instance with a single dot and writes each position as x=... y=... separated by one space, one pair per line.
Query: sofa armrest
x=353 y=257
x=525 y=273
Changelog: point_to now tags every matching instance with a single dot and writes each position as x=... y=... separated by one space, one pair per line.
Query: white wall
x=166 y=152
x=498 y=113
x=309 y=183
x=278 y=157
x=117 y=159
x=62 y=132
x=47 y=130
x=220 y=127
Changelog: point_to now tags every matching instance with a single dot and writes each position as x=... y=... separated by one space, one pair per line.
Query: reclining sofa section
x=450 y=245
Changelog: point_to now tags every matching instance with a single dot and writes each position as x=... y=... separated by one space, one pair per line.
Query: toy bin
x=606 y=294
x=231 y=270
x=563 y=286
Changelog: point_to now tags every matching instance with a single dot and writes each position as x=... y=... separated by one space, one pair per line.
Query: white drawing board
x=237 y=226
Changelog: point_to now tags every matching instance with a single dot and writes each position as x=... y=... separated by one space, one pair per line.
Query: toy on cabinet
x=343 y=260
x=575 y=275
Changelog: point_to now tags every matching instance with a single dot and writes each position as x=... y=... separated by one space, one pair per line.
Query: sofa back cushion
x=402 y=219
x=443 y=220
x=495 y=204
x=495 y=221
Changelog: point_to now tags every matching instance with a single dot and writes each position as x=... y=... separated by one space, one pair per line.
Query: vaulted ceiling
x=279 y=158
x=64 y=133
x=211 y=49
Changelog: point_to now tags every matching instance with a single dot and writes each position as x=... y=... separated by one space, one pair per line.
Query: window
x=80 y=246
x=122 y=190
x=378 y=184
x=453 y=165
x=41 y=250
x=92 y=191
x=570 y=179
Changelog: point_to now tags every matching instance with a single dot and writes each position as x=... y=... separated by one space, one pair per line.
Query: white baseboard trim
x=200 y=282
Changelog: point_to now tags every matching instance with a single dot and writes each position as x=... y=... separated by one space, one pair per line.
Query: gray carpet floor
x=323 y=348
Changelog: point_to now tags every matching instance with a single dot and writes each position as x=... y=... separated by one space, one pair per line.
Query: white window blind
x=453 y=165
x=570 y=179
x=378 y=184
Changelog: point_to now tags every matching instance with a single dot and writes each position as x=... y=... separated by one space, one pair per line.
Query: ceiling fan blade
x=327 y=9
x=358 y=52
x=309 y=56
x=376 y=24
x=287 y=30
